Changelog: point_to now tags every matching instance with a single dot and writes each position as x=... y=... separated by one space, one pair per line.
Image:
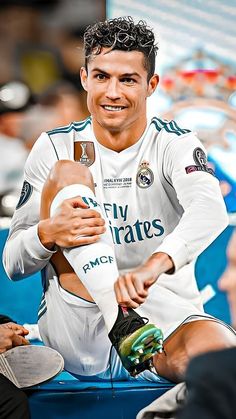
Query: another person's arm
x=228 y=279
x=227 y=282
x=11 y=334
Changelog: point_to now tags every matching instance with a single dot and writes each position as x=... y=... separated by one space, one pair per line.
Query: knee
x=68 y=172
x=63 y=173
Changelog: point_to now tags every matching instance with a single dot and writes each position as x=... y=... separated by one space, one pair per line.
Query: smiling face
x=117 y=89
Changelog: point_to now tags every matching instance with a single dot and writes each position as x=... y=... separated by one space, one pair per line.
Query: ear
x=152 y=84
x=83 y=77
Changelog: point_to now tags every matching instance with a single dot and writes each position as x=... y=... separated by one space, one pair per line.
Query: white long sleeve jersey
x=157 y=195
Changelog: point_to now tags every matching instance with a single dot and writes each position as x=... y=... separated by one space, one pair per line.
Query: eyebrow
x=99 y=70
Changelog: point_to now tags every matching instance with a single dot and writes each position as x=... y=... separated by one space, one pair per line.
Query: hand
x=132 y=288
x=17 y=328
x=227 y=282
x=10 y=339
x=74 y=224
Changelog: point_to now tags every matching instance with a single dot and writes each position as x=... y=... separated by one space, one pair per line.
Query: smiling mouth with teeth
x=113 y=108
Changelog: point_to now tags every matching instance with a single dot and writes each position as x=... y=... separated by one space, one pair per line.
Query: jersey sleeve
x=198 y=192
x=24 y=254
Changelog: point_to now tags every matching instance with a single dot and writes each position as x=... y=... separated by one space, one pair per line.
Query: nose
x=113 y=90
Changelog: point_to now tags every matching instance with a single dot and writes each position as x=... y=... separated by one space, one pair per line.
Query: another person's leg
x=13 y=401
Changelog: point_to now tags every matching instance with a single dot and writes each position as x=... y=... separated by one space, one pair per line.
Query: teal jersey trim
x=42 y=308
x=171 y=127
x=42 y=313
x=76 y=126
x=42 y=304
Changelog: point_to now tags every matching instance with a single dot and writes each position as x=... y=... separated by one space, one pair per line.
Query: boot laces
x=128 y=325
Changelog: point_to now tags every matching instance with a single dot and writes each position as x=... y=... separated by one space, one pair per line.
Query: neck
x=119 y=140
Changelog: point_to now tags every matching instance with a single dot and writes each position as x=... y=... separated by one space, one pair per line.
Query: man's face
x=117 y=88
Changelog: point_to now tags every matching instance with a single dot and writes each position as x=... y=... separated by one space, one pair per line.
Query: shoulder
x=40 y=160
x=73 y=126
x=54 y=145
x=170 y=128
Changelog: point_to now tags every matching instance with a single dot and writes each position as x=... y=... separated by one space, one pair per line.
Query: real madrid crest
x=84 y=152
x=145 y=176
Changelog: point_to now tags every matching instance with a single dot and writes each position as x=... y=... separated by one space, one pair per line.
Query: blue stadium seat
x=65 y=396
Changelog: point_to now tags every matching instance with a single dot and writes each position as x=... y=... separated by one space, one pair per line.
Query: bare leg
x=64 y=173
x=189 y=340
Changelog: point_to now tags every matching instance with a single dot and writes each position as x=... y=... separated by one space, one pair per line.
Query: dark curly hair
x=122 y=34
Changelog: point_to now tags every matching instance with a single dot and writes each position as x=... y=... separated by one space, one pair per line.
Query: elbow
x=9 y=267
x=5 y=262
x=8 y=271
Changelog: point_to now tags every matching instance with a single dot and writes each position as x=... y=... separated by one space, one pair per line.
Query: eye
x=128 y=80
x=100 y=76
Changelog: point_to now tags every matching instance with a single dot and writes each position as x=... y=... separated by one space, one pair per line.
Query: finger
x=89 y=231
x=88 y=222
x=147 y=284
x=75 y=202
x=18 y=340
x=117 y=292
x=18 y=329
x=81 y=241
x=4 y=326
x=124 y=297
x=139 y=286
x=22 y=331
x=87 y=213
x=132 y=290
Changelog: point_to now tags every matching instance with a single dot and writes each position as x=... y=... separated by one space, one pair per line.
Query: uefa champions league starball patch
x=200 y=159
x=145 y=176
x=25 y=195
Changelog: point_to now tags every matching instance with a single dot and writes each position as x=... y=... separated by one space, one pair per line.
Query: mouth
x=113 y=108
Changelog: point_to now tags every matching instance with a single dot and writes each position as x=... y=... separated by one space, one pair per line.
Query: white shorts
x=76 y=329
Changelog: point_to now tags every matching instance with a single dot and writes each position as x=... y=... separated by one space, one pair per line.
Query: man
x=156 y=200
x=22 y=365
x=227 y=282
x=13 y=401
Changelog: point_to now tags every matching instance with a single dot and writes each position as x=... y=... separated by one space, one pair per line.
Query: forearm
x=24 y=254
x=204 y=218
x=159 y=263
x=198 y=193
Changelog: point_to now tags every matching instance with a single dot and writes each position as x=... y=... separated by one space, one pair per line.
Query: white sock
x=94 y=264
